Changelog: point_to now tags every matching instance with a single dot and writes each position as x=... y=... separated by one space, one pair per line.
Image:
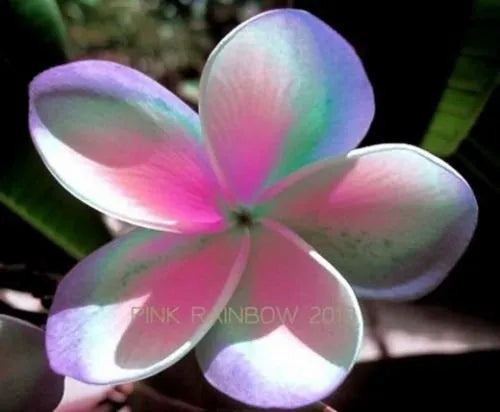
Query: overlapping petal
x=392 y=218
x=140 y=303
x=283 y=100
x=290 y=333
x=281 y=91
x=26 y=381
x=120 y=142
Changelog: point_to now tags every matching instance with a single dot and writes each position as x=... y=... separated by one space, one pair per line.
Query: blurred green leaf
x=32 y=39
x=471 y=83
x=30 y=192
x=40 y=20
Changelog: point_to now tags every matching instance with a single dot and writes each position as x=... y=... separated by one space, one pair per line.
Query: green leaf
x=30 y=192
x=32 y=39
x=471 y=83
x=37 y=33
x=43 y=18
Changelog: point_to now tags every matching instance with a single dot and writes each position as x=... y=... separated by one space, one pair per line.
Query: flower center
x=242 y=217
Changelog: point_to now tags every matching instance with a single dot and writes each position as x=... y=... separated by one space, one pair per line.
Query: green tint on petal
x=281 y=91
x=393 y=219
x=140 y=303
x=126 y=146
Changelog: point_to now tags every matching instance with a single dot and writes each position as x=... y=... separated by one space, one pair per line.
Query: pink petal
x=140 y=303
x=125 y=145
x=26 y=381
x=292 y=330
x=393 y=219
x=279 y=92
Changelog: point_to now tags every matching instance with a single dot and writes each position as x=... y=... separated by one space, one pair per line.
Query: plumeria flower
x=258 y=214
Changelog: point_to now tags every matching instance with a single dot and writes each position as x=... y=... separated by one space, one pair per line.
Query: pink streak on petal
x=249 y=140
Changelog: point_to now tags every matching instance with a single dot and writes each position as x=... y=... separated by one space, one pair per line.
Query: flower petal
x=290 y=333
x=392 y=218
x=122 y=143
x=281 y=91
x=26 y=380
x=140 y=303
